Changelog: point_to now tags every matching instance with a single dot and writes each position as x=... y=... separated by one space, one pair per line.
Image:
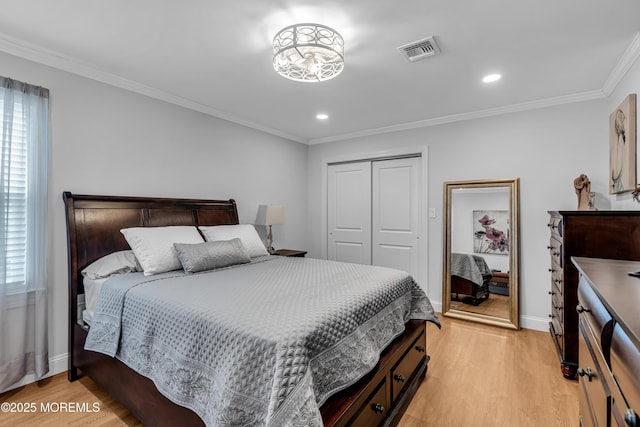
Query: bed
x=301 y=380
x=470 y=276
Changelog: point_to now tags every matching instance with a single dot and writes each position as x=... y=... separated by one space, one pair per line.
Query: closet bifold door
x=395 y=213
x=349 y=212
x=373 y=212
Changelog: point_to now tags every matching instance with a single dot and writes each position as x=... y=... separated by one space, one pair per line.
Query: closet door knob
x=398 y=378
x=420 y=349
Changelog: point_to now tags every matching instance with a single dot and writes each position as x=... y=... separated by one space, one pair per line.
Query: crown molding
x=507 y=109
x=629 y=57
x=59 y=61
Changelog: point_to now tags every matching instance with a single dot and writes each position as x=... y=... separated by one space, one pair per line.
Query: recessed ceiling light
x=322 y=116
x=492 y=78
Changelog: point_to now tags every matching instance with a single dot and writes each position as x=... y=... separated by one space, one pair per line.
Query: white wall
x=547 y=148
x=105 y=140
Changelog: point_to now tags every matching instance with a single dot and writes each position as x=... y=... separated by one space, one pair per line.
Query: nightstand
x=290 y=252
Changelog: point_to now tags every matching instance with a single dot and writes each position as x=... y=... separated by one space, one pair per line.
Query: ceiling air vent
x=420 y=49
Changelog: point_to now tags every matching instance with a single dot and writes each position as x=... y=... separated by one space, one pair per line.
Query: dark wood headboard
x=94 y=223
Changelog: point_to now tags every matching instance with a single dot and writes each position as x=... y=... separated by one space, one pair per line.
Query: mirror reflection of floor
x=496 y=305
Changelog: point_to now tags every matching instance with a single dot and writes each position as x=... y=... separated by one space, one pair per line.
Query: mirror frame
x=513 y=184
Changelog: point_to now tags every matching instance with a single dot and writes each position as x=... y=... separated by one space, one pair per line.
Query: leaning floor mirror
x=481 y=260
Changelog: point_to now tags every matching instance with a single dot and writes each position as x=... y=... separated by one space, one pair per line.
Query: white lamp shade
x=270 y=215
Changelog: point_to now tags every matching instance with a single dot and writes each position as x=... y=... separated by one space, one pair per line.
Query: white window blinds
x=23 y=170
x=14 y=187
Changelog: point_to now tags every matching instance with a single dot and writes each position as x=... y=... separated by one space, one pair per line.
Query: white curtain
x=24 y=346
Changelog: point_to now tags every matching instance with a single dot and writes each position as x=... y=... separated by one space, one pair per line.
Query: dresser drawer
x=595 y=316
x=618 y=408
x=555 y=250
x=557 y=332
x=557 y=305
x=556 y=284
x=625 y=366
x=374 y=410
x=407 y=365
x=595 y=399
x=555 y=226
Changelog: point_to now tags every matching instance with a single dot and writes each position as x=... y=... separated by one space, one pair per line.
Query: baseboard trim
x=535 y=323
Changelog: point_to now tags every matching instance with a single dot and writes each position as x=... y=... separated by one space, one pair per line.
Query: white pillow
x=119 y=262
x=245 y=232
x=153 y=246
x=91 y=292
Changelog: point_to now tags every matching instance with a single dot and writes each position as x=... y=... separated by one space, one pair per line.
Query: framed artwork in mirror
x=622 y=146
x=491 y=232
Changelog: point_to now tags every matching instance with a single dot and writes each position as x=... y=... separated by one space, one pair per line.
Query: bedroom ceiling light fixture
x=308 y=52
x=270 y=215
x=322 y=116
x=491 y=78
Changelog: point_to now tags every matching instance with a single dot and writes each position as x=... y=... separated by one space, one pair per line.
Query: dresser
x=600 y=234
x=609 y=342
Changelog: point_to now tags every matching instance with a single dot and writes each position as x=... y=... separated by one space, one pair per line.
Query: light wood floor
x=496 y=305
x=485 y=376
x=478 y=376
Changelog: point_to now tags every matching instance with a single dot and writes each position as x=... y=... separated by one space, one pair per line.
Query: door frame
x=423 y=202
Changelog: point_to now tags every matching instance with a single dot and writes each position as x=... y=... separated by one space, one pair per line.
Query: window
x=23 y=181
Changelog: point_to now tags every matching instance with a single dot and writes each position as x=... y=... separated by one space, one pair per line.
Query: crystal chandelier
x=308 y=53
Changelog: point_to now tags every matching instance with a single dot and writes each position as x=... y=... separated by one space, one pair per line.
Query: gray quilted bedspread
x=470 y=267
x=261 y=344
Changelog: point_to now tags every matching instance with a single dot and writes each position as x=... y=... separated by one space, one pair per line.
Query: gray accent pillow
x=211 y=255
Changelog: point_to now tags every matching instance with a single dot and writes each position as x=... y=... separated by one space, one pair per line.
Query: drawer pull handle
x=420 y=349
x=552 y=316
x=549 y=247
x=551 y=270
x=558 y=280
x=588 y=373
x=558 y=307
x=556 y=253
x=551 y=293
x=631 y=418
x=398 y=378
x=581 y=309
x=558 y=335
x=377 y=408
